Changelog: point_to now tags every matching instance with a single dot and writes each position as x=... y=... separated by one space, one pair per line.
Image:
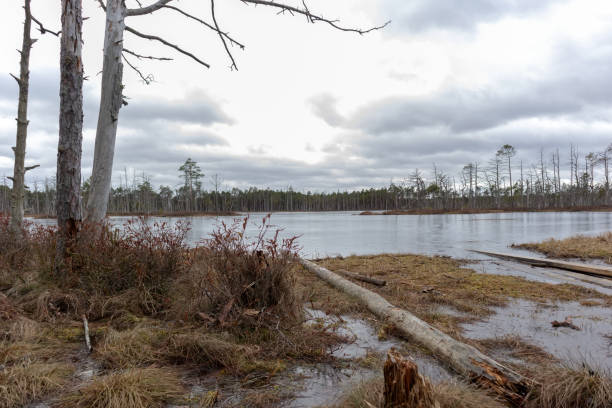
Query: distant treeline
x=501 y=183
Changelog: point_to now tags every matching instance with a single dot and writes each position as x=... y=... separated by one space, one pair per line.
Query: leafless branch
x=42 y=28
x=229 y=53
x=166 y=43
x=147 y=10
x=102 y=5
x=146 y=79
x=31 y=167
x=226 y=35
x=313 y=18
x=139 y=56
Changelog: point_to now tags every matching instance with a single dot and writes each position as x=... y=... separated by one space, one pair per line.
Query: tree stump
x=404 y=386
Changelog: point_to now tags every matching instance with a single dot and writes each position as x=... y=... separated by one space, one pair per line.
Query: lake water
x=346 y=233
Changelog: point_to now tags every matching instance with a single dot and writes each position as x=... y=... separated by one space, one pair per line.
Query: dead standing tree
x=68 y=203
x=19 y=170
x=112 y=74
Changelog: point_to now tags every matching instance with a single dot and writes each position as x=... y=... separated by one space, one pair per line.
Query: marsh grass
x=577 y=385
x=27 y=382
x=421 y=284
x=447 y=394
x=580 y=246
x=134 y=388
x=516 y=348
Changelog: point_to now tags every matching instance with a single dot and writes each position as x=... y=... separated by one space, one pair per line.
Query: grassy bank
x=430 y=211
x=161 y=316
x=581 y=247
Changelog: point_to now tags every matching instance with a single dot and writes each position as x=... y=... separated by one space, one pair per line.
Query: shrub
x=128 y=268
x=232 y=279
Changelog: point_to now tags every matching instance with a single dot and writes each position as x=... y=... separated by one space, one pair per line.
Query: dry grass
x=447 y=394
x=582 y=247
x=146 y=345
x=25 y=382
x=134 y=388
x=421 y=284
x=568 y=387
x=516 y=348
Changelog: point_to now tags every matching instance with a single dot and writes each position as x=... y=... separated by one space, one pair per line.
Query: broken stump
x=404 y=386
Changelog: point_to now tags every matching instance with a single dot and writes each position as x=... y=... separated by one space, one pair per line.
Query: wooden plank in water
x=555 y=263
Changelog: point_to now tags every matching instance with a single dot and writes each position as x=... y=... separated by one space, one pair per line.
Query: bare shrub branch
x=166 y=43
x=140 y=56
x=146 y=79
x=42 y=28
x=212 y=7
x=313 y=18
x=226 y=35
x=149 y=9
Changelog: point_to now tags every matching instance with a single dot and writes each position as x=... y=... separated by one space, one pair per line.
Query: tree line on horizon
x=503 y=182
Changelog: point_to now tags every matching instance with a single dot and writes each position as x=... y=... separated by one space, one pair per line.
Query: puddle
x=532 y=322
x=324 y=384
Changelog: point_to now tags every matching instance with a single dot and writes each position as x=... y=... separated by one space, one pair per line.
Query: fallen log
x=362 y=278
x=463 y=358
x=597 y=270
x=404 y=386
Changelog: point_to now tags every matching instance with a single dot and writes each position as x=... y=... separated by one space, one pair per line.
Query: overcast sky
x=319 y=109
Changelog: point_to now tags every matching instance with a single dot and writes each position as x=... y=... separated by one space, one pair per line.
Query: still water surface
x=346 y=233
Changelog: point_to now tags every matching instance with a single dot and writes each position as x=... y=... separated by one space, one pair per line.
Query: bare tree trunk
x=68 y=205
x=19 y=169
x=110 y=104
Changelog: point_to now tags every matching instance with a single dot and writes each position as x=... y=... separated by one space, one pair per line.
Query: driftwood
x=404 y=386
x=463 y=358
x=565 y=323
x=356 y=276
x=87 y=339
x=598 y=270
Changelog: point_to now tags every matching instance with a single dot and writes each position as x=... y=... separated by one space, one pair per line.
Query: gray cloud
x=324 y=106
x=577 y=83
x=195 y=108
x=422 y=15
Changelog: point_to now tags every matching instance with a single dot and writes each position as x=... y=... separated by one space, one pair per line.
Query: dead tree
x=68 y=203
x=404 y=386
x=111 y=99
x=19 y=169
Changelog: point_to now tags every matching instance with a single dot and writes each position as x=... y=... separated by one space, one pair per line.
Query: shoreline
x=153 y=214
x=430 y=211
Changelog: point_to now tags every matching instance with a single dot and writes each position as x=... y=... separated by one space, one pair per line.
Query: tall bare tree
x=19 y=169
x=68 y=202
x=111 y=99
